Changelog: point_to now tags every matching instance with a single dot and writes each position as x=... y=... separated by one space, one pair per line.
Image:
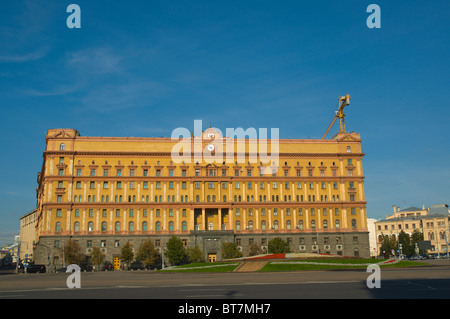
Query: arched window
x=250 y=225
x=58 y=226
x=62 y=147
x=144 y=226
x=104 y=226
x=76 y=226
x=353 y=223
x=349 y=149
x=170 y=226
x=337 y=224
x=117 y=226
x=158 y=226
x=90 y=226
x=288 y=224
x=300 y=224
x=238 y=225
x=313 y=224
x=263 y=225
x=184 y=226
x=210 y=226
x=275 y=224
x=130 y=226
x=325 y=224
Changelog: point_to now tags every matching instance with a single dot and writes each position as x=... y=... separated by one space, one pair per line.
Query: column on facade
x=203 y=222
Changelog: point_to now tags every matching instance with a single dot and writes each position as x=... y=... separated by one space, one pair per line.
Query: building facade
x=432 y=222
x=27 y=234
x=106 y=191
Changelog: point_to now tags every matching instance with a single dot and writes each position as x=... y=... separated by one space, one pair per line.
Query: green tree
x=127 y=254
x=72 y=252
x=255 y=250
x=97 y=257
x=195 y=255
x=387 y=245
x=405 y=241
x=230 y=250
x=279 y=246
x=176 y=253
x=147 y=253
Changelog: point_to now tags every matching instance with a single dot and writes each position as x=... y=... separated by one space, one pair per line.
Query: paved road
x=421 y=282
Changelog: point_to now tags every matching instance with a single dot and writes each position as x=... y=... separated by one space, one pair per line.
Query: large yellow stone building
x=105 y=191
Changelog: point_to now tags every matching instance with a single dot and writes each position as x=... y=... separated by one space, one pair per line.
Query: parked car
x=137 y=265
x=36 y=268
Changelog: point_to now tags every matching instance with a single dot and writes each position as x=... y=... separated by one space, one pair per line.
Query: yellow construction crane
x=342 y=102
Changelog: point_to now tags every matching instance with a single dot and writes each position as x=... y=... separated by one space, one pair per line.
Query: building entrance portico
x=211 y=219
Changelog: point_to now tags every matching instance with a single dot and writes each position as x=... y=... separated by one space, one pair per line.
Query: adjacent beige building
x=27 y=234
x=433 y=222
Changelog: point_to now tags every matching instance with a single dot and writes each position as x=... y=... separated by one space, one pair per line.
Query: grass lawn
x=334 y=264
x=204 y=267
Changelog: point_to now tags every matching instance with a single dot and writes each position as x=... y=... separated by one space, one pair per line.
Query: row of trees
x=405 y=241
x=175 y=252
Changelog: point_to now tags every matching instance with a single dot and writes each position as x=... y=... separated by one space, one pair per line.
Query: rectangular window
x=145 y=172
x=131 y=172
x=105 y=185
x=119 y=172
x=145 y=185
x=78 y=172
x=105 y=172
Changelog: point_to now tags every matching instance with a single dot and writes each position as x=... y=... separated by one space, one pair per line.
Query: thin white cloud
x=31 y=56
x=95 y=60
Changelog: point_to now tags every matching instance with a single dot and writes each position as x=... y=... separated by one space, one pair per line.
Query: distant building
x=27 y=235
x=433 y=222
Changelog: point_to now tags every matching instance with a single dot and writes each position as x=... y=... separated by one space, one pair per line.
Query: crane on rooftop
x=339 y=114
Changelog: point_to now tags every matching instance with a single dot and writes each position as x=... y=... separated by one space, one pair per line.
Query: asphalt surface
x=431 y=282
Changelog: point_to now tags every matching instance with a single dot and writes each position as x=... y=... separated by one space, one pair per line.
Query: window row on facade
x=170 y=171
x=184 y=226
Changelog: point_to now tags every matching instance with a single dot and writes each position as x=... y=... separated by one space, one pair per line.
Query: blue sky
x=143 y=68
